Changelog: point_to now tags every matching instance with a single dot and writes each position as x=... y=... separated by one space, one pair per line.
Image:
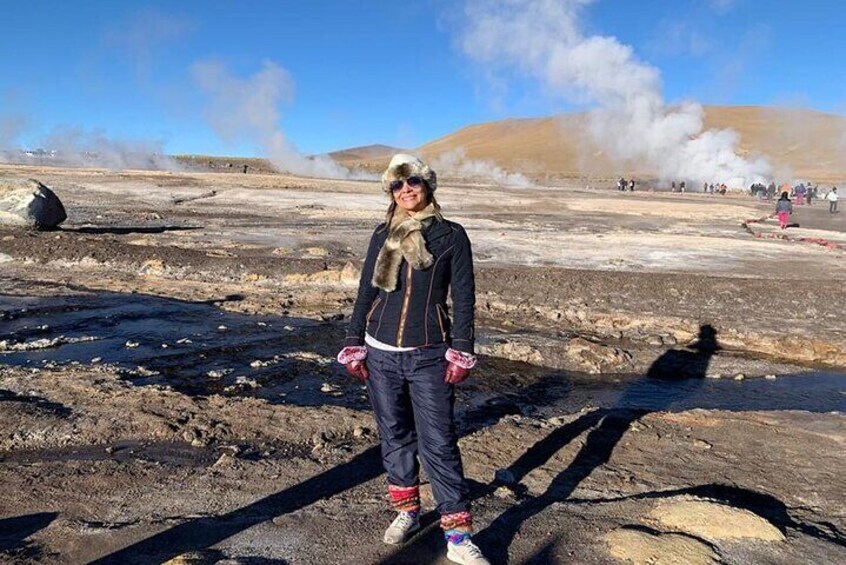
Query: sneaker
x=467 y=553
x=403 y=525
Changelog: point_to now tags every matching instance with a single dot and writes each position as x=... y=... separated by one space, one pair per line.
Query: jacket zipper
x=372 y=309
x=439 y=311
x=404 y=310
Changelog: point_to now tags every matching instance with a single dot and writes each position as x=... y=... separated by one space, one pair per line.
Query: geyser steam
x=543 y=39
x=456 y=163
x=248 y=109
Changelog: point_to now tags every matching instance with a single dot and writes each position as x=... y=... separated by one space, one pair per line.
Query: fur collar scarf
x=405 y=240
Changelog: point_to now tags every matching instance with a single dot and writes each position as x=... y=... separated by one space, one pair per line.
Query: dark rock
x=29 y=203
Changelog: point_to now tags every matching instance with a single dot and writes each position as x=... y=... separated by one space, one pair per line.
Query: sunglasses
x=413 y=182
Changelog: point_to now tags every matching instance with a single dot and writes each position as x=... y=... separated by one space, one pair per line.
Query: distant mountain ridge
x=365 y=152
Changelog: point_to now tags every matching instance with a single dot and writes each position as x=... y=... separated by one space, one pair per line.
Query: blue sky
x=380 y=71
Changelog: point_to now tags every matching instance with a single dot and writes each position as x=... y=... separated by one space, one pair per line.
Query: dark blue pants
x=414 y=411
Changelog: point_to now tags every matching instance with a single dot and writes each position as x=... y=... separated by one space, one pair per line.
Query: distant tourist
x=682 y=186
x=632 y=185
x=711 y=188
x=809 y=194
x=784 y=208
x=411 y=357
x=705 y=187
x=832 y=200
x=622 y=184
x=771 y=190
x=799 y=193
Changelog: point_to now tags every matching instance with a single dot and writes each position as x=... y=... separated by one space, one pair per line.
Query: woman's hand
x=456 y=374
x=459 y=366
x=358 y=370
x=352 y=358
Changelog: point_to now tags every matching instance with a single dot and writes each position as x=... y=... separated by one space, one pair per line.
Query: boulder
x=657 y=548
x=29 y=203
x=713 y=521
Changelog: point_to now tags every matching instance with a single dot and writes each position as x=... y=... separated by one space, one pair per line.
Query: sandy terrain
x=168 y=390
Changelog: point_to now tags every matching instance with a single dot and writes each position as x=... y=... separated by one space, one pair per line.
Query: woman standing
x=402 y=343
x=784 y=207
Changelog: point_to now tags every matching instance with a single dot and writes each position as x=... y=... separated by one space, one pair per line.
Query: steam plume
x=455 y=162
x=10 y=128
x=74 y=147
x=247 y=109
x=543 y=39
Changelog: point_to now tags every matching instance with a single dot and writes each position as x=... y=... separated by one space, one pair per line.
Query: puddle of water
x=200 y=338
x=813 y=391
x=549 y=393
x=184 y=339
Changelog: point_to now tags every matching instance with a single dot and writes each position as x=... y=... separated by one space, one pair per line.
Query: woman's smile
x=410 y=199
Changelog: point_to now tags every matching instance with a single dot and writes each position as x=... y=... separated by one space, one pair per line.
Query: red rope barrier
x=813 y=240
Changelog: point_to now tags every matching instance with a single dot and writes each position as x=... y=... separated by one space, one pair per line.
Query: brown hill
x=806 y=143
x=364 y=153
x=800 y=143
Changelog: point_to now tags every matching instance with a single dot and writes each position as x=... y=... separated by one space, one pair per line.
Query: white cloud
x=721 y=6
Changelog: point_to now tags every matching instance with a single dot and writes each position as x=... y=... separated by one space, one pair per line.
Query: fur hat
x=403 y=166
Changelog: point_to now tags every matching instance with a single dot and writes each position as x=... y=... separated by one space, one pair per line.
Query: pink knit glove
x=352 y=353
x=353 y=358
x=459 y=366
x=463 y=360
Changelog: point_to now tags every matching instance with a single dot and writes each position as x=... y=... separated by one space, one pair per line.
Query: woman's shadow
x=677 y=364
x=609 y=425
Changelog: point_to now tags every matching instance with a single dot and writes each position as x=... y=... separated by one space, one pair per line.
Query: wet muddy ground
x=656 y=383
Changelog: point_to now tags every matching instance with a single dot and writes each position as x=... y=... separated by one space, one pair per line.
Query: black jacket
x=416 y=313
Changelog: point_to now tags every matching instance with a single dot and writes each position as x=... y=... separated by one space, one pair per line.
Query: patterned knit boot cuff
x=404 y=499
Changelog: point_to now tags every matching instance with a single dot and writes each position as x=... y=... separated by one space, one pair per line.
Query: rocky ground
x=168 y=391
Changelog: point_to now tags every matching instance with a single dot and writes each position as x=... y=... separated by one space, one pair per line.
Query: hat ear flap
x=430 y=177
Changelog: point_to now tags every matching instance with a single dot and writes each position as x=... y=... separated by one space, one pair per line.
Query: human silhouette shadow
x=607 y=425
x=607 y=428
x=676 y=364
x=14 y=531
